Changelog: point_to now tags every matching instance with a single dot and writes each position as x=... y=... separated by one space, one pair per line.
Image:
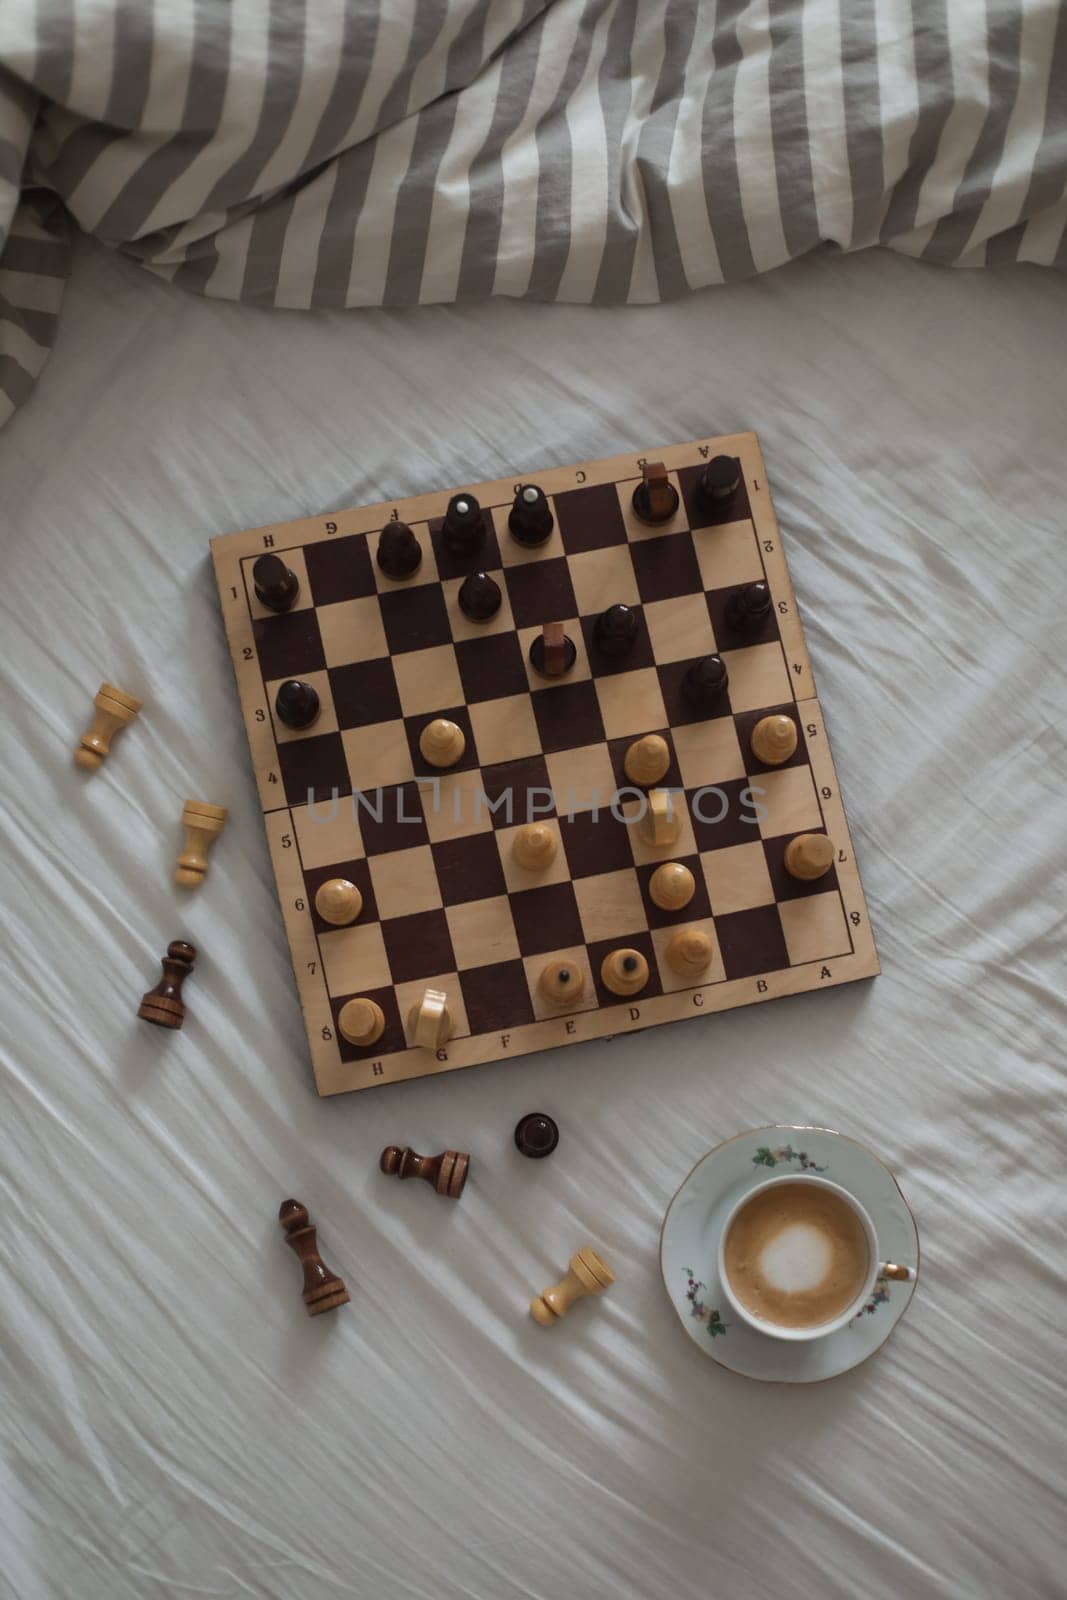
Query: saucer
x=689 y=1243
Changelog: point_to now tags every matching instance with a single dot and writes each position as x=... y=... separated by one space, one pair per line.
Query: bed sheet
x=172 y=1422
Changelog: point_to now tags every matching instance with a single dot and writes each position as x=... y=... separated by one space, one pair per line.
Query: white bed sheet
x=172 y=1423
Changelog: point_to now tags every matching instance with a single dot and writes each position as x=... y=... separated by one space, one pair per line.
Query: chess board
x=445 y=903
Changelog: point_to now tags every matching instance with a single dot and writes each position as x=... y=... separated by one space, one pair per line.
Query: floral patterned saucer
x=689 y=1247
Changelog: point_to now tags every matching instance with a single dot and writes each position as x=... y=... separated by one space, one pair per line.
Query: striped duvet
x=319 y=153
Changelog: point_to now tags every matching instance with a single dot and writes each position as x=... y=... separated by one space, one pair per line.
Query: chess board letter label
x=761 y=986
x=569 y=1027
x=634 y=1014
x=698 y=998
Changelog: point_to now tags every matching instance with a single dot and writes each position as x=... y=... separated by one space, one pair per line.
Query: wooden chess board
x=445 y=904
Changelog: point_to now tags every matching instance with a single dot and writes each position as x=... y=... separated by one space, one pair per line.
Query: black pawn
x=399 y=552
x=616 y=630
x=704 y=683
x=463 y=530
x=479 y=597
x=530 y=520
x=536 y=1136
x=276 y=587
x=749 y=607
x=720 y=479
x=296 y=704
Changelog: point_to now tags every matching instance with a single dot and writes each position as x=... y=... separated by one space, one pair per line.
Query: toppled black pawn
x=479 y=597
x=749 y=607
x=720 y=480
x=705 y=682
x=463 y=531
x=536 y=1136
x=276 y=586
x=616 y=631
x=296 y=704
x=399 y=552
x=530 y=520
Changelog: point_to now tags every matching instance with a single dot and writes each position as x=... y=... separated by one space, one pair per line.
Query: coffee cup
x=799 y=1257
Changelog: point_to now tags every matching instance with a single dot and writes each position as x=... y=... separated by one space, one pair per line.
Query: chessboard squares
x=325 y=722
x=288 y=645
x=737 y=878
x=462 y=626
x=637 y=531
x=596 y=843
x=314 y=770
x=673 y=981
x=483 y=932
x=391 y=1040
x=505 y=729
x=469 y=869
x=294 y=560
x=519 y=878
x=589 y=519
x=454 y=805
x=582 y=779
x=540 y=592
x=579 y=673
x=574 y=957
x=785 y=886
x=486 y=559
x=354 y=958
x=694 y=910
x=637 y=938
x=409 y=993
x=405 y=882
x=815 y=928
x=378 y=755
x=747 y=721
x=514 y=554
x=679 y=628
x=731 y=637
x=666 y=567
x=752 y=942
x=352 y=631
x=725 y=813
x=491 y=667
x=326 y=834
x=517 y=791
x=415 y=617
x=390 y=818
x=708 y=752
x=338 y=569
x=610 y=905
x=679 y=711
x=496 y=997
x=631 y=703
x=704 y=513
x=758 y=677
x=415 y=726
x=546 y=918
x=602 y=578
x=790 y=804
x=425 y=572
x=357 y=872
x=364 y=693
x=568 y=715
x=418 y=946
x=728 y=555
x=426 y=680
x=633 y=808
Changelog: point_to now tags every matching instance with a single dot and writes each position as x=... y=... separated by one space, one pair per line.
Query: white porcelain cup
x=876 y=1267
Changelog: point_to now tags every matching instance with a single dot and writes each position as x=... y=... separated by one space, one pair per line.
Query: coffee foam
x=799 y=1258
x=796 y=1255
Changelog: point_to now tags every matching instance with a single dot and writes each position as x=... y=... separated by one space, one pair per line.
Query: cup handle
x=889 y=1269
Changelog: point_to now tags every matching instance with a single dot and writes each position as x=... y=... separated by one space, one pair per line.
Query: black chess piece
x=552 y=656
x=536 y=1135
x=463 y=530
x=705 y=682
x=720 y=480
x=749 y=607
x=479 y=597
x=276 y=586
x=163 y=1005
x=296 y=704
x=530 y=520
x=399 y=552
x=616 y=631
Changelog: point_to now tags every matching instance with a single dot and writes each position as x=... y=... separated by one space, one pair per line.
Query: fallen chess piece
x=114 y=709
x=430 y=1021
x=586 y=1274
x=323 y=1289
x=203 y=823
x=536 y=1135
x=163 y=1005
x=446 y=1173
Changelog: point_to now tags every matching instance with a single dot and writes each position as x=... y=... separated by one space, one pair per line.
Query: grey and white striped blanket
x=353 y=153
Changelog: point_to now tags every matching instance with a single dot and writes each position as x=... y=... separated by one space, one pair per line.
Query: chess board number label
x=312 y=967
x=299 y=905
x=811 y=730
x=287 y=841
x=327 y=1032
x=768 y=545
x=855 y=918
x=826 y=792
x=783 y=607
x=246 y=653
x=260 y=714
